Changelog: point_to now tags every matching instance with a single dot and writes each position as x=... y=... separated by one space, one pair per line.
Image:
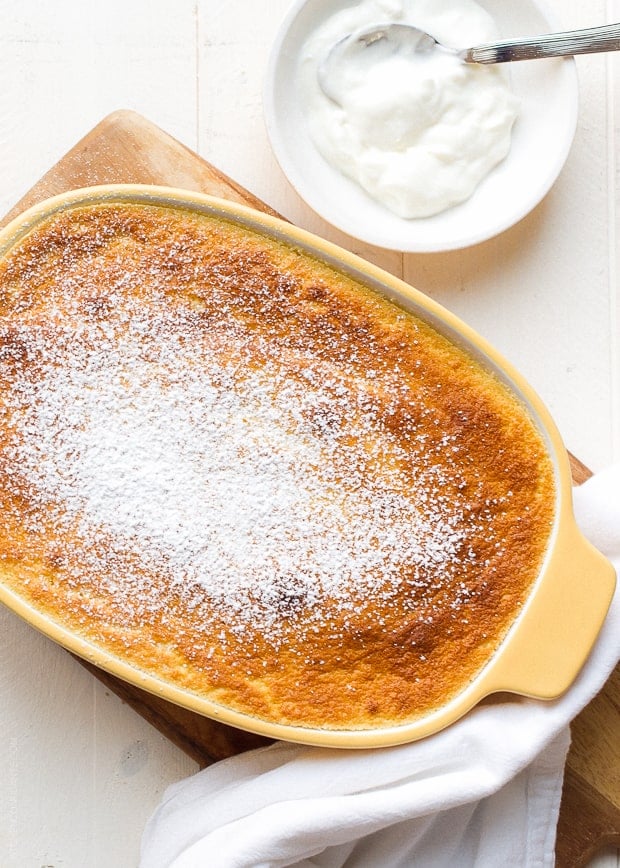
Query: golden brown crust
x=236 y=468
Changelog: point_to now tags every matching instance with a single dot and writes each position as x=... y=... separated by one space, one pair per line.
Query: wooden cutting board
x=126 y=148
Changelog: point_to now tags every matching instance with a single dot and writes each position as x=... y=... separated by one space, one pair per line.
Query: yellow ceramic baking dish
x=554 y=632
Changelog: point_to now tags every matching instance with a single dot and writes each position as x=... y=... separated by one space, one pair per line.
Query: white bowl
x=542 y=137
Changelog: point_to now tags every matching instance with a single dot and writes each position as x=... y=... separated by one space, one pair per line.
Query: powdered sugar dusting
x=265 y=488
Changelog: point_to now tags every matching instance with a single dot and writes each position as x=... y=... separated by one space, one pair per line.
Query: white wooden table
x=79 y=771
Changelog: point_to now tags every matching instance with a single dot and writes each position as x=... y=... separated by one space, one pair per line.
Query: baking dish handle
x=549 y=643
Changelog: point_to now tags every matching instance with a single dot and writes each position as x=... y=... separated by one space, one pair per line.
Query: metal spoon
x=391 y=37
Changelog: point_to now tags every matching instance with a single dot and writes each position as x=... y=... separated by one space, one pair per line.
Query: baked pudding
x=242 y=471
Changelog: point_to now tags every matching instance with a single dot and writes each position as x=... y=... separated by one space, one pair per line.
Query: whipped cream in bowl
x=418 y=131
x=418 y=153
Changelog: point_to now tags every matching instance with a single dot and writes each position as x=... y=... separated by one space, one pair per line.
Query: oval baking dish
x=56 y=311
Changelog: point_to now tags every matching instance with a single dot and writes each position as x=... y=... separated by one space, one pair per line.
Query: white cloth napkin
x=484 y=792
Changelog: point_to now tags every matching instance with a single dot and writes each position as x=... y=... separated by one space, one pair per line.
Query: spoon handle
x=588 y=41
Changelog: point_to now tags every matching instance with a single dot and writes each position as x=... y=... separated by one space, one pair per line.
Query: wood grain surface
x=126 y=148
